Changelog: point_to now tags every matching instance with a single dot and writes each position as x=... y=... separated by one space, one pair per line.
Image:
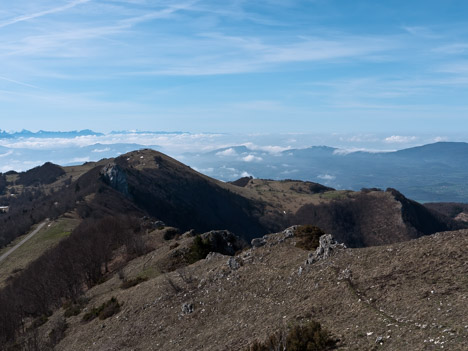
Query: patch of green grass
x=56 y=232
x=48 y=237
x=149 y=272
x=335 y=195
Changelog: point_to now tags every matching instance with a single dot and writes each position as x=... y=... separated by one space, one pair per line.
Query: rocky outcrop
x=258 y=242
x=462 y=217
x=115 y=176
x=327 y=246
x=274 y=239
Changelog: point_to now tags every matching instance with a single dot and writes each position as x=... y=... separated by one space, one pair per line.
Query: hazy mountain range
x=433 y=172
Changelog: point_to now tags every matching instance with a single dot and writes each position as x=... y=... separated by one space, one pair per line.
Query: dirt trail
x=29 y=236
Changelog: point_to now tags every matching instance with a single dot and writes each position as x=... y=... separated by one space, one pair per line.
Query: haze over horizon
x=396 y=69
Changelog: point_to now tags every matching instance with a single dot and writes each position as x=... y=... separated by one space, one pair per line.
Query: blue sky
x=264 y=66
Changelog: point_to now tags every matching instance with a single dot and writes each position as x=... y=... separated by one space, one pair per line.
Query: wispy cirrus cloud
x=217 y=54
x=458 y=67
x=421 y=31
x=452 y=49
x=290 y=63
x=17 y=82
x=38 y=14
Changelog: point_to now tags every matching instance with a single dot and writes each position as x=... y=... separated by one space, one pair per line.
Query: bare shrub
x=106 y=310
x=136 y=246
x=308 y=236
x=170 y=233
x=308 y=337
x=199 y=249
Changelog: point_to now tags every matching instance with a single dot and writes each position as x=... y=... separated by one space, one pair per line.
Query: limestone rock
x=327 y=245
x=115 y=176
x=274 y=239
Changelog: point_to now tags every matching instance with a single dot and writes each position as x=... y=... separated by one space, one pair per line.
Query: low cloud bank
x=21 y=152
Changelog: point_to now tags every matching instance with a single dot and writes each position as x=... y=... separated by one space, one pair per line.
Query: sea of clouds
x=20 y=153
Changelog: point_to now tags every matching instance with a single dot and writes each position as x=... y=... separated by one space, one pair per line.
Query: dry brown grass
x=409 y=296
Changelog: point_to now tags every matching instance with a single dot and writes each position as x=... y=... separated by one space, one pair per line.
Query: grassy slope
x=47 y=238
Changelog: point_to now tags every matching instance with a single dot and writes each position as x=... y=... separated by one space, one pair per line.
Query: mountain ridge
x=152 y=183
x=141 y=220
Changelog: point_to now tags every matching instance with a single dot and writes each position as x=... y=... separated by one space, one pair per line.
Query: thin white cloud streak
x=211 y=53
x=17 y=82
x=422 y=32
x=253 y=54
x=8 y=153
x=460 y=67
x=388 y=92
x=57 y=42
x=164 y=13
x=42 y=13
x=452 y=49
x=213 y=50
